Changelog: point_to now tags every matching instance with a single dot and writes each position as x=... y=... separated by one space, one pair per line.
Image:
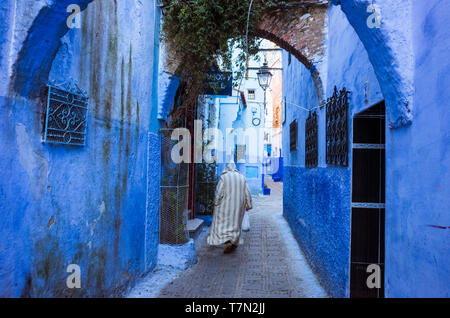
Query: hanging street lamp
x=264 y=79
x=264 y=76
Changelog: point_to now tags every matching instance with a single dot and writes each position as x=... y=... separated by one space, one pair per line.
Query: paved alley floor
x=268 y=264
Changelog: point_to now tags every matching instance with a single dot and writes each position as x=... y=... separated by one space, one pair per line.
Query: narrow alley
x=128 y=127
x=268 y=264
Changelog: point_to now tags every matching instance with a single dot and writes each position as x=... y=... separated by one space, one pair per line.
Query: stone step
x=194 y=226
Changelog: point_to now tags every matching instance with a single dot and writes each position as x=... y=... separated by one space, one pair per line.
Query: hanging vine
x=201 y=34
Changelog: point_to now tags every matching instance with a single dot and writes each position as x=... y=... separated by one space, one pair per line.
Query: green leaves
x=203 y=32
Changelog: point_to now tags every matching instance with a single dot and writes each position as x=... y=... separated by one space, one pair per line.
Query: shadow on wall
x=31 y=70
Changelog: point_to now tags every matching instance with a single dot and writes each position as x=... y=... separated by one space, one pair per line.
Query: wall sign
x=219 y=83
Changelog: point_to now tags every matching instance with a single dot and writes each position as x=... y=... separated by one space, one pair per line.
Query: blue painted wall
x=317 y=201
x=418 y=168
x=93 y=206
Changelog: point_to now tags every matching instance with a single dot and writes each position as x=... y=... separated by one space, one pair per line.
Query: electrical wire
x=304 y=108
x=246 y=45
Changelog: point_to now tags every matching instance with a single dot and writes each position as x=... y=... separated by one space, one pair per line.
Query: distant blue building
x=243 y=122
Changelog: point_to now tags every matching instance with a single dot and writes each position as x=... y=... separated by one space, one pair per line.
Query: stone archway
x=389 y=48
x=300 y=28
x=297 y=27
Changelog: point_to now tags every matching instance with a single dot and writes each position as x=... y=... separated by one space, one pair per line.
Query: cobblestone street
x=267 y=264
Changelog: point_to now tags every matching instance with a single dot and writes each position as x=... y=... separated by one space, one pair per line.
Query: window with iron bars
x=251 y=94
x=293 y=129
x=311 y=141
x=337 y=128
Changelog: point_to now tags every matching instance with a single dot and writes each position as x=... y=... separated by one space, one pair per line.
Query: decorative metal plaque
x=65 y=117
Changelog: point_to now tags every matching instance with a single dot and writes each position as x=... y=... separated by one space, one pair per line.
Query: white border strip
x=367 y=205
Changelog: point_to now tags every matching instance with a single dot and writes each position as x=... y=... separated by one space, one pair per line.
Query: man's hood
x=230 y=167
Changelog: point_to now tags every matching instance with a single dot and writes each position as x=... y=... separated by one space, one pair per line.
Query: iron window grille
x=337 y=128
x=293 y=128
x=66 y=114
x=311 y=141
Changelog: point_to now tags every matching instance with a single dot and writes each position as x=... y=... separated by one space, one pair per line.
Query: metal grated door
x=368 y=201
x=174 y=190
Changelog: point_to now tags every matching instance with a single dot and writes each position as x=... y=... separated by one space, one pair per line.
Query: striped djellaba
x=231 y=201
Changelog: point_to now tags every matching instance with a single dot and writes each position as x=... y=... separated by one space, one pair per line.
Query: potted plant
x=266 y=190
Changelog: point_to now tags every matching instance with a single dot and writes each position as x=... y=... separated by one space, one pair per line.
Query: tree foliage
x=202 y=33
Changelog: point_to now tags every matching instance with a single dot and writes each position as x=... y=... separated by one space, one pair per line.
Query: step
x=194 y=226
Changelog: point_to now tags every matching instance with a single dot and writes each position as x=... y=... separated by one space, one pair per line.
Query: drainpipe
x=244 y=102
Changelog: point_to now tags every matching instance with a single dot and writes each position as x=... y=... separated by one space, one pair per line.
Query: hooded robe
x=231 y=201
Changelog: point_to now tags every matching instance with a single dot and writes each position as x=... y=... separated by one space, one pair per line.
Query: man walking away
x=231 y=201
